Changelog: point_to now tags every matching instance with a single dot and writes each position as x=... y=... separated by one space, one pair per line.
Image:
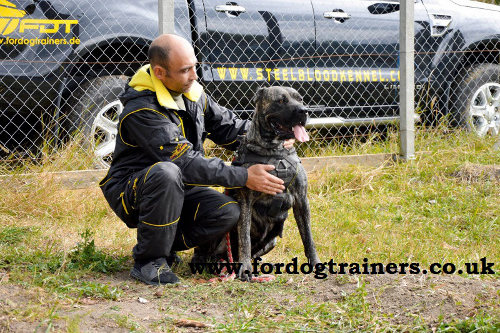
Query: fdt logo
x=8 y=14
x=11 y=18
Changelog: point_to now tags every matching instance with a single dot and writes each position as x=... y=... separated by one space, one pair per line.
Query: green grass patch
x=86 y=256
x=99 y=290
x=49 y=267
x=481 y=323
x=12 y=235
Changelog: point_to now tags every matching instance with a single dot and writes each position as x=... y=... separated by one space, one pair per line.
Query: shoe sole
x=134 y=273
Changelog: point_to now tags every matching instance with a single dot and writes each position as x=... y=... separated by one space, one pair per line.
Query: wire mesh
x=63 y=64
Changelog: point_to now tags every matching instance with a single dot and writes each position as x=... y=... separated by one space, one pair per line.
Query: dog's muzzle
x=287 y=130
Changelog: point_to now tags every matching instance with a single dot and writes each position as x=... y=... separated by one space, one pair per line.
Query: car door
x=357 y=43
x=253 y=42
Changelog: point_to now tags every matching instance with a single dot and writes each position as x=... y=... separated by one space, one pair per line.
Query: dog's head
x=280 y=114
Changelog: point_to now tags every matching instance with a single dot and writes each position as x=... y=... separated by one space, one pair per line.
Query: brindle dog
x=279 y=115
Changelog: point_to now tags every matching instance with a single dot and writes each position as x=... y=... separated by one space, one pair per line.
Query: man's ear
x=158 y=71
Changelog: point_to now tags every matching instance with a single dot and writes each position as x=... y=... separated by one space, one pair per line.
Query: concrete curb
x=81 y=179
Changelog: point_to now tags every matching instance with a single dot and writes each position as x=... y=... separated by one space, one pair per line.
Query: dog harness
x=286 y=168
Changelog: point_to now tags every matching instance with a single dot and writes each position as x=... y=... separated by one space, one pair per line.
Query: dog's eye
x=283 y=100
x=297 y=97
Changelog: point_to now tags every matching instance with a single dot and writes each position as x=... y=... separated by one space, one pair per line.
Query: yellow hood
x=142 y=80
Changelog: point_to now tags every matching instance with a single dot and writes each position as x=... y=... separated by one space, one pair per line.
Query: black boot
x=154 y=272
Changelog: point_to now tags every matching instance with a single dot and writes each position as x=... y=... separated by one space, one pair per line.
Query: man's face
x=181 y=71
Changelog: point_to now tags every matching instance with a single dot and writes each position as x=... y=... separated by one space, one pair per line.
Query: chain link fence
x=63 y=64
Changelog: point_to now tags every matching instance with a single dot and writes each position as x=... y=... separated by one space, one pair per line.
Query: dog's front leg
x=302 y=215
x=245 y=245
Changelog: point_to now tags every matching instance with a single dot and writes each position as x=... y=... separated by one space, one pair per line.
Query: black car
x=62 y=63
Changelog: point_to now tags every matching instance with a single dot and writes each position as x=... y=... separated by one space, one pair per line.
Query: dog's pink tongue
x=300 y=133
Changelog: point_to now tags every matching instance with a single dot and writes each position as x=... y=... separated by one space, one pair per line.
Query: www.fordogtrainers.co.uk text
x=322 y=270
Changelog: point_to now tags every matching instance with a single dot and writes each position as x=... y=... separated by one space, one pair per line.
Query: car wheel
x=94 y=111
x=477 y=105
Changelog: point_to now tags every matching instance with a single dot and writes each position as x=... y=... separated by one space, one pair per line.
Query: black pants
x=167 y=216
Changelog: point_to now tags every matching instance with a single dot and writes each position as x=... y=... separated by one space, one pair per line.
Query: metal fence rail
x=63 y=64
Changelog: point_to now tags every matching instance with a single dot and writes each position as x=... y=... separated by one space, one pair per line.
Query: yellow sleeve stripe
x=105 y=181
x=227 y=203
x=120 y=126
x=196 y=213
x=161 y=225
x=123 y=203
x=184 y=241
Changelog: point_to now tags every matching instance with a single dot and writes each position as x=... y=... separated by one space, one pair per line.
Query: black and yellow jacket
x=152 y=129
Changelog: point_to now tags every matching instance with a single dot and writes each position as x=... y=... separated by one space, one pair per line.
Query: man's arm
x=222 y=124
x=163 y=141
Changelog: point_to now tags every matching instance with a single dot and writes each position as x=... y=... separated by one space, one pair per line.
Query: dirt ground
x=398 y=299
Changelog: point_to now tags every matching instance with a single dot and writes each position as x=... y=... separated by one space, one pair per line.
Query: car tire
x=93 y=110
x=476 y=105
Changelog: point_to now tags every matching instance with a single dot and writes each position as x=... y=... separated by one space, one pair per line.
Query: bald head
x=167 y=46
x=173 y=62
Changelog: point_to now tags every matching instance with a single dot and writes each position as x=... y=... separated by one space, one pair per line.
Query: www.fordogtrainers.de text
x=39 y=41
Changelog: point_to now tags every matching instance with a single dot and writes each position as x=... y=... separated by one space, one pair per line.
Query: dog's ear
x=258 y=95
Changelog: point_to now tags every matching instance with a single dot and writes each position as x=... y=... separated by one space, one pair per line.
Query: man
x=158 y=180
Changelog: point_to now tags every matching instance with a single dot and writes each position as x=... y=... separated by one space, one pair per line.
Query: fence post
x=407 y=68
x=166 y=16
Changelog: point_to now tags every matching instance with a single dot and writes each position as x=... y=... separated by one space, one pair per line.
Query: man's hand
x=288 y=144
x=261 y=180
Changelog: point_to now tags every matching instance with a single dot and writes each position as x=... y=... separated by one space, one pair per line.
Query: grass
x=86 y=256
x=480 y=323
x=65 y=246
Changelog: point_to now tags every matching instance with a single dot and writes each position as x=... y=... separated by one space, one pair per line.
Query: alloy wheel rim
x=103 y=132
x=484 y=112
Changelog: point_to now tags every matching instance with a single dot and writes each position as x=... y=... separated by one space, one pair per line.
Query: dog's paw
x=314 y=260
x=245 y=273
